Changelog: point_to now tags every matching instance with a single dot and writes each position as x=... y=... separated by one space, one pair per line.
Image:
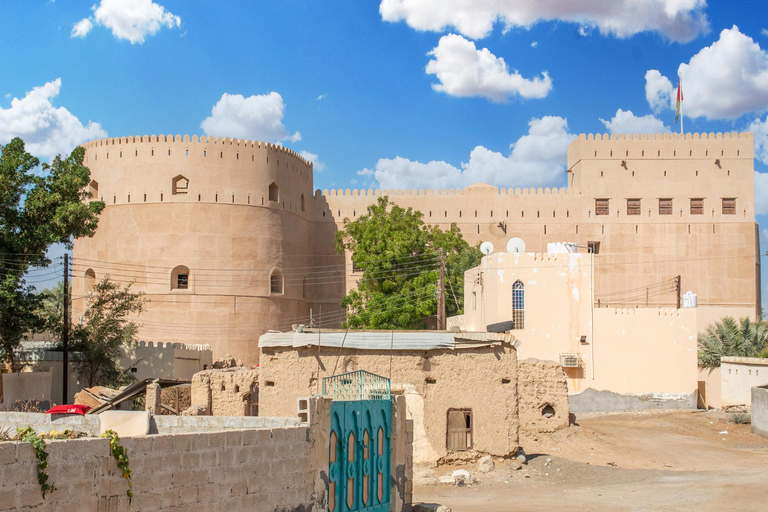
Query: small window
x=93 y=190
x=665 y=206
x=601 y=206
x=593 y=247
x=459 y=434
x=729 y=206
x=276 y=282
x=633 y=207
x=90 y=279
x=274 y=193
x=302 y=202
x=697 y=206
x=518 y=305
x=180 y=278
x=179 y=185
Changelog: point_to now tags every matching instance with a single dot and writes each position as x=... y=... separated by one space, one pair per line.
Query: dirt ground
x=638 y=461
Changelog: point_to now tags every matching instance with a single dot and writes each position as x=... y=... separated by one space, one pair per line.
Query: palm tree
x=730 y=338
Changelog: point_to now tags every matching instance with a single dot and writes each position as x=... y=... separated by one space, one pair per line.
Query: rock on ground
x=485 y=465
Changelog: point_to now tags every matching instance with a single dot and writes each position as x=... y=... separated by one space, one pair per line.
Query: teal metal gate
x=359 y=458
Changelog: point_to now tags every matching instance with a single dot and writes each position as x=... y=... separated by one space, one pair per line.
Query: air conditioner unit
x=570 y=360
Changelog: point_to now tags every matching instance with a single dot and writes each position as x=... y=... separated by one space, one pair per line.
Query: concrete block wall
x=158 y=424
x=760 y=410
x=261 y=469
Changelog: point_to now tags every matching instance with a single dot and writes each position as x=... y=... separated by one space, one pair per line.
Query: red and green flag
x=679 y=98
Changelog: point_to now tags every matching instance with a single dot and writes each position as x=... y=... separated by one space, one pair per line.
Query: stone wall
x=543 y=396
x=262 y=469
x=760 y=410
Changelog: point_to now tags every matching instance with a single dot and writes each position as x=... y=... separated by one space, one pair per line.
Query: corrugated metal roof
x=385 y=340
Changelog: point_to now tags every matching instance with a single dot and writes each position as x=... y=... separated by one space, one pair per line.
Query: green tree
x=105 y=332
x=731 y=338
x=37 y=209
x=399 y=258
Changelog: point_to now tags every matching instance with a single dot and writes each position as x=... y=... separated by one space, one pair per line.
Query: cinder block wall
x=264 y=469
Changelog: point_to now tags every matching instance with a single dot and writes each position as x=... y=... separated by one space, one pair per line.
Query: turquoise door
x=359 y=456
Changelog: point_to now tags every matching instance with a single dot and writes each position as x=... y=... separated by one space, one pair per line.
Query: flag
x=679 y=98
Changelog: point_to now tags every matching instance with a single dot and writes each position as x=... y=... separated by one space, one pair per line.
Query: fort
x=228 y=238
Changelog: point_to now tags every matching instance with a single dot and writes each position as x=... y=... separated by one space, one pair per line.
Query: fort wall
x=654 y=207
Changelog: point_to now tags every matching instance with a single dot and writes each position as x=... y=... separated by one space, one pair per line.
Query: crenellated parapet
x=444 y=193
x=222 y=142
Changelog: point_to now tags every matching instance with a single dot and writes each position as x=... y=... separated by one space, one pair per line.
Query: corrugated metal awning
x=385 y=340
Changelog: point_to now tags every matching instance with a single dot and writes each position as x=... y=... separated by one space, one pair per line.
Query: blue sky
x=396 y=93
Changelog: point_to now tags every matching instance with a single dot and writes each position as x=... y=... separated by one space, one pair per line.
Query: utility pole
x=677 y=290
x=65 y=331
x=441 y=323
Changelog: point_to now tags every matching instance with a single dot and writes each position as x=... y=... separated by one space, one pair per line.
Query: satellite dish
x=515 y=245
x=486 y=248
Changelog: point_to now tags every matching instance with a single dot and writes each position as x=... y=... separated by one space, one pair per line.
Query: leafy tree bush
x=731 y=338
x=37 y=209
x=398 y=256
x=98 y=341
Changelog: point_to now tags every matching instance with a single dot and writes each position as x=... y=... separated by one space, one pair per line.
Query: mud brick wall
x=543 y=396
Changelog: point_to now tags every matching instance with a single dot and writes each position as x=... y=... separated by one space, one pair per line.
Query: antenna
x=486 y=248
x=515 y=245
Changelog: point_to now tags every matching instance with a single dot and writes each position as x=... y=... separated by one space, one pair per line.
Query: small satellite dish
x=486 y=248
x=515 y=245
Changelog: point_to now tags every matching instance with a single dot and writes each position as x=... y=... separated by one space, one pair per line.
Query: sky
x=390 y=93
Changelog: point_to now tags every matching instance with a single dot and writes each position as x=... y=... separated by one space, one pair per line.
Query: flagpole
x=680 y=87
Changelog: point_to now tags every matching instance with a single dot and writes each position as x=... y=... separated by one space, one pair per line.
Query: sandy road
x=641 y=461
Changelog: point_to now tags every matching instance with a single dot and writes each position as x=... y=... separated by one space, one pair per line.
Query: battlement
x=659 y=312
x=223 y=142
x=666 y=136
x=691 y=146
x=183 y=346
x=468 y=191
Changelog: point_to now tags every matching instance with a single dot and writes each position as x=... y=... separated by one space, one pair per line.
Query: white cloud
x=658 y=91
x=317 y=165
x=46 y=130
x=626 y=122
x=534 y=44
x=537 y=160
x=82 y=28
x=132 y=20
x=760 y=130
x=258 y=117
x=761 y=193
x=677 y=20
x=322 y=97
x=764 y=31
x=723 y=81
x=463 y=70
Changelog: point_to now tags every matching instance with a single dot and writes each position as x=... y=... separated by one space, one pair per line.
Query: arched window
x=179 y=185
x=93 y=190
x=274 y=192
x=276 y=282
x=180 y=278
x=302 y=202
x=89 y=279
x=518 y=305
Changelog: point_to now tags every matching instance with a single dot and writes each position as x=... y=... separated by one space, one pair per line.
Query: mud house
x=228 y=238
x=461 y=389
